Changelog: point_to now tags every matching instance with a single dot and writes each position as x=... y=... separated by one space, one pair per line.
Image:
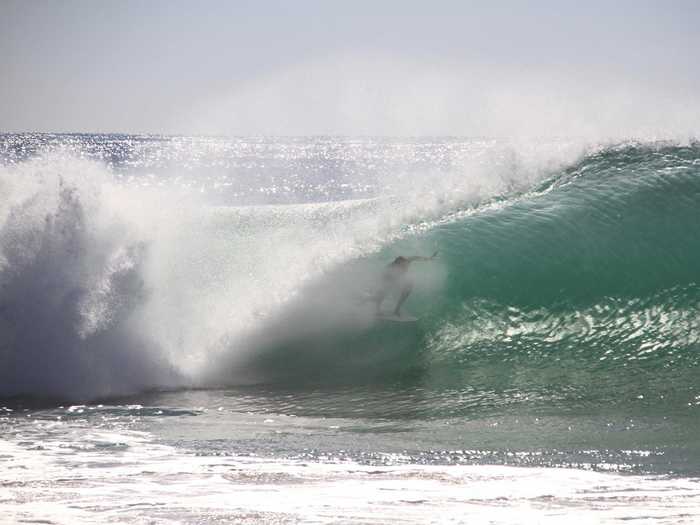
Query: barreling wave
x=583 y=285
x=589 y=278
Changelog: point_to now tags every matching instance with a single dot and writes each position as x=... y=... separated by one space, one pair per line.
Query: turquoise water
x=205 y=295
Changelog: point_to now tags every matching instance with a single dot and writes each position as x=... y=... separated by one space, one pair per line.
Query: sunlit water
x=329 y=456
x=181 y=339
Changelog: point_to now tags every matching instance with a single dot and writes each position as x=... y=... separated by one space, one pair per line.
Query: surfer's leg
x=377 y=299
x=380 y=292
x=405 y=292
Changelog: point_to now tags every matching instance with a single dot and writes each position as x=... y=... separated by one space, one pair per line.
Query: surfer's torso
x=395 y=271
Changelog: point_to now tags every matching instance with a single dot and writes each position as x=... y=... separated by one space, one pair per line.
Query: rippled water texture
x=185 y=334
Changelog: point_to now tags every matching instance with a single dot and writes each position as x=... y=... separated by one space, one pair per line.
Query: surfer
x=394 y=277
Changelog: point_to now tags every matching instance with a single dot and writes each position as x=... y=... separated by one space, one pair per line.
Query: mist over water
x=388 y=95
x=137 y=263
x=131 y=263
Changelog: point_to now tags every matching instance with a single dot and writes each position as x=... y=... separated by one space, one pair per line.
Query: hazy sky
x=354 y=67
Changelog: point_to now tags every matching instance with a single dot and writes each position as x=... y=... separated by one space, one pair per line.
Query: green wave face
x=620 y=223
x=584 y=290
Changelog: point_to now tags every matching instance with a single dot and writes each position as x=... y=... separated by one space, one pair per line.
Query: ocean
x=185 y=335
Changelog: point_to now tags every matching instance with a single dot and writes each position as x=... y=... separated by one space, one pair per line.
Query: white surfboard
x=405 y=318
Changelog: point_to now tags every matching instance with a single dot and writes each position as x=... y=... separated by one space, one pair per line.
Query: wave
x=548 y=276
x=587 y=278
x=71 y=289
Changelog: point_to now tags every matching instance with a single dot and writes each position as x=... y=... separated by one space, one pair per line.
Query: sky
x=497 y=68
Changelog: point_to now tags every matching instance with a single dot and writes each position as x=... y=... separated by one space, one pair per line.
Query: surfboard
x=397 y=318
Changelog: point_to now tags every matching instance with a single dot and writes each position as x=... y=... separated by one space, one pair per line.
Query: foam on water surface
x=137 y=481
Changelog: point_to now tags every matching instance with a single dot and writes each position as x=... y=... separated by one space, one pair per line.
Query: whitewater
x=183 y=335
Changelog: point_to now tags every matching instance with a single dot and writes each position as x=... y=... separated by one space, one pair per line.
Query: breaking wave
x=547 y=276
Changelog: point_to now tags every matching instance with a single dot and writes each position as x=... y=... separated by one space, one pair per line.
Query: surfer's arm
x=420 y=258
